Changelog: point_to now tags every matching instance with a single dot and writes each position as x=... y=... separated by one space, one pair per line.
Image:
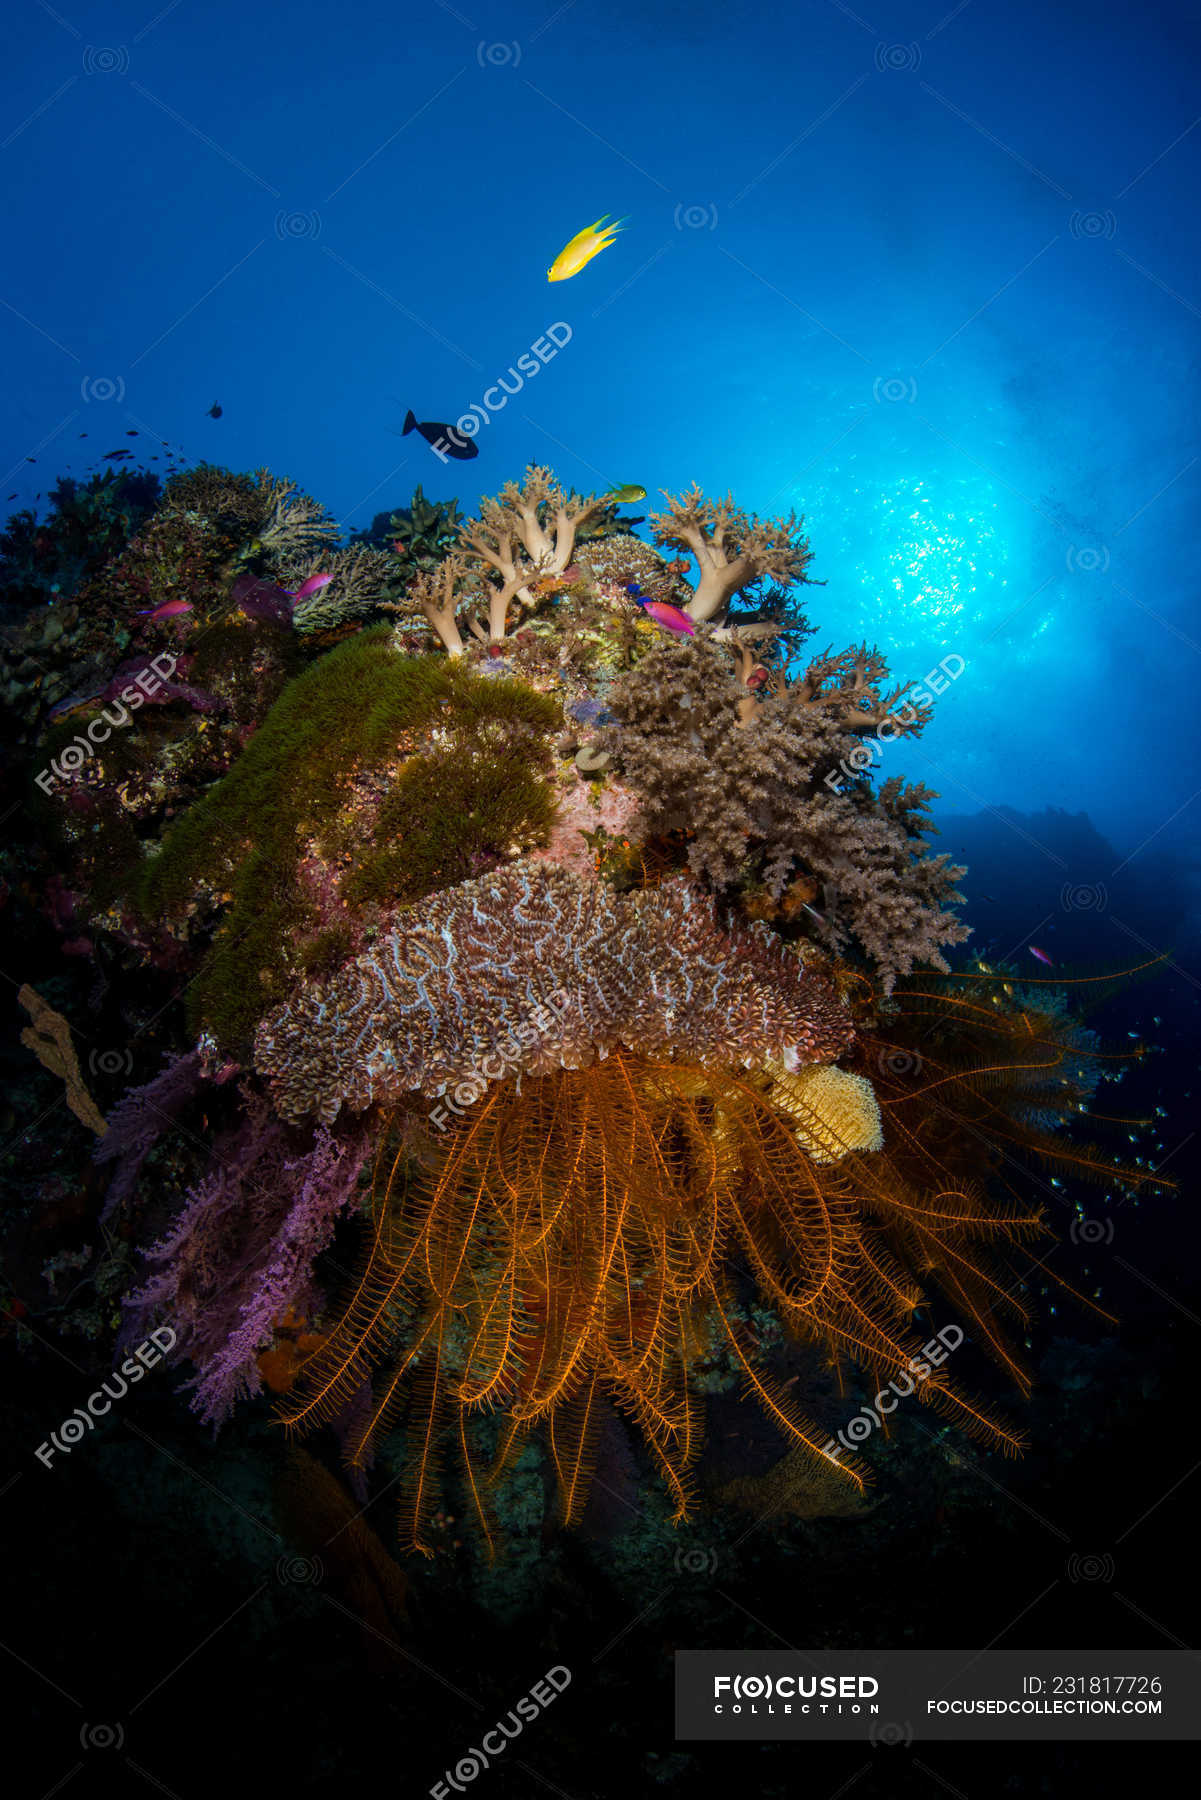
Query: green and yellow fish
x=626 y=496
x=582 y=248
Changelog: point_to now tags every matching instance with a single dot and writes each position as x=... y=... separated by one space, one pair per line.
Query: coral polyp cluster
x=453 y=989
x=583 y=924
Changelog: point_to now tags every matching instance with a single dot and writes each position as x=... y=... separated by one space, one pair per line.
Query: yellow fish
x=582 y=248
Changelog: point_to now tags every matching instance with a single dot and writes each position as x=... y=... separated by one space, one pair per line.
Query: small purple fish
x=170 y=609
x=313 y=585
x=669 y=617
x=265 y=600
x=1041 y=955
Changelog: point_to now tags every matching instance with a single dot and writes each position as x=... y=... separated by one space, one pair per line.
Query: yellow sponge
x=831 y=1111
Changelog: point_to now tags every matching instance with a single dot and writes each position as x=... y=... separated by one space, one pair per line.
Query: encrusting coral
x=437 y=999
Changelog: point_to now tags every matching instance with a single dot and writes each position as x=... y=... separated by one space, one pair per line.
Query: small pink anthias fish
x=313 y=585
x=170 y=609
x=1041 y=955
x=670 y=617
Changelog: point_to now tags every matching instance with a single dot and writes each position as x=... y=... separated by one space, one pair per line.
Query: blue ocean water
x=926 y=276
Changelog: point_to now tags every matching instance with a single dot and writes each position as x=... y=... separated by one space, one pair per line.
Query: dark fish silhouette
x=131 y=434
x=214 y=411
x=31 y=459
x=112 y=455
x=83 y=434
x=440 y=437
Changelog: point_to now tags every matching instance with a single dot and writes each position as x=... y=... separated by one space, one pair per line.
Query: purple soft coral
x=241 y=1253
x=139 y=1119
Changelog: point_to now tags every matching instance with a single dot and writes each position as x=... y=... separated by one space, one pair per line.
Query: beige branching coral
x=733 y=549
x=751 y=787
x=437 y=597
x=360 y=583
x=294 y=523
x=49 y=1037
x=849 y=686
x=526 y=534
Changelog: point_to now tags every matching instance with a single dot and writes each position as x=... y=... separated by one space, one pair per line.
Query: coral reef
x=600 y=944
x=375 y=775
x=581 y=1237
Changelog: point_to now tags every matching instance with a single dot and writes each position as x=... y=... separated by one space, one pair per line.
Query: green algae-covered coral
x=375 y=778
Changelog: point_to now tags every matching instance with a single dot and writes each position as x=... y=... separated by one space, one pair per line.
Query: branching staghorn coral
x=733 y=549
x=528 y=533
x=751 y=792
x=446 y=998
x=236 y=504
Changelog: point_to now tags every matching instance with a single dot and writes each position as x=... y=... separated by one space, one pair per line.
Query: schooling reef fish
x=440 y=437
x=626 y=496
x=1041 y=955
x=214 y=411
x=583 y=247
